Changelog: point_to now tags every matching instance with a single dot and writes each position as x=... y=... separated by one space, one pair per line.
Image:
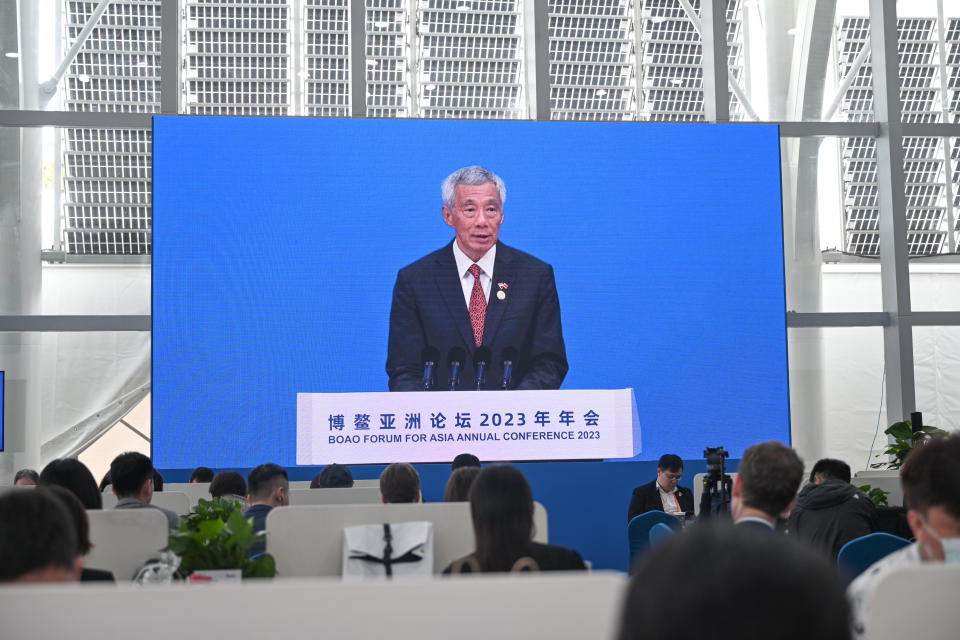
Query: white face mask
x=951 y=546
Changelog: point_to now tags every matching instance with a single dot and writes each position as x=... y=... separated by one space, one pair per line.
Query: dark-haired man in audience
x=202 y=474
x=733 y=583
x=38 y=542
x=269 y=487
x=132 y=476
x=26 y=478
x=766 y=485
x=400 y=483
x=830 y=511
x=333 y=476
x=465 y=460
x=664 y=493
x=931 y=492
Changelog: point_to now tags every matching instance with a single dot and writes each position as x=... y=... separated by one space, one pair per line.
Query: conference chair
x=345 y=495
x=856 y=556
x=123 y=540
x=638 y=530
x=558 y=607
x=176 y=501
x=659 y=532
x=918 y=601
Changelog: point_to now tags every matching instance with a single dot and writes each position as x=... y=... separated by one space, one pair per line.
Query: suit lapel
x=451 y=291
x=503 y=273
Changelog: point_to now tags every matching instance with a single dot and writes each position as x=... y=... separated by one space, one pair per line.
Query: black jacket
x=647 y=498
x=831 y=514
x=548 y=557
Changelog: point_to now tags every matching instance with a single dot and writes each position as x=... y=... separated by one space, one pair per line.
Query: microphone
x=430 y=357
x=509 y=358
x=481 y=358
x=455 y=358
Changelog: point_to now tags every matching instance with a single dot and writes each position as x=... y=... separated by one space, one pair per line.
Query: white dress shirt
x=669 y=500
x=466 y=278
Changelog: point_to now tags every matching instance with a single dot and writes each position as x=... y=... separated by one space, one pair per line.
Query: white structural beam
x=894 y=269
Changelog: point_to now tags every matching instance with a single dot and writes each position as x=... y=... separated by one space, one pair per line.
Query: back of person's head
x=78 y=515
x=333 y=476
x=105 y=481
x=72 y=474
x=830 y=469
x=400 y=483
x=726 y=582
x=931 y=475
x=157 y=481
x=38 y=541
x=501 y=505
x=458 y=486
x=128 y=472
x=228 y=483
x=202 y=474
x=268 y=484
x=670 y=462
x=770 y=473
x=465 y=460
x=26 y=477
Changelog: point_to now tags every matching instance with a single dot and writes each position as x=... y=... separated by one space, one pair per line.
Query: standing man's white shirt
x=860 y=590
x=486 y=271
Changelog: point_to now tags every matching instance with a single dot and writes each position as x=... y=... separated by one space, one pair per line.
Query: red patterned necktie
x=478 y=305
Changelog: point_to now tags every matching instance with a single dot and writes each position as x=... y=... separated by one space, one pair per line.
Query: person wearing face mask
x=931 y=492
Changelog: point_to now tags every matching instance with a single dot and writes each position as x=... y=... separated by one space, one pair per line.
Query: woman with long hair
x=501 y=505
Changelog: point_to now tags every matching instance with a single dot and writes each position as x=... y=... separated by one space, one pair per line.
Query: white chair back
x=698 y=489
x=351 y=495
x=300 y=484
x=124 y=539
x=375 y=482
x=887 y=480
x=931 y=592
x=109 y=500
x=308 y=541
x=194 y=490
x=176 y=501
x=557 y=606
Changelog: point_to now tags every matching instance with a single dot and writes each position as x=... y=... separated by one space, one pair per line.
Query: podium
x=417 y=426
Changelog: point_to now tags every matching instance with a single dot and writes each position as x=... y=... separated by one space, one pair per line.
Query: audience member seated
x=202 y=474
x=157 y=481
x=458 y=486
x=105 y=481
x=72 y=474
x=132 y=475
x=501 y=505
x=766 y=485
x=664 y=493
x=400 y=483
x=269 y=487
x=228 y=484
x=830 y=511
x=731 y=583
x=465 y=460
x=78 y=515
x=333 y=476
x=26 y=478
x=38 y=542
x=931 y=492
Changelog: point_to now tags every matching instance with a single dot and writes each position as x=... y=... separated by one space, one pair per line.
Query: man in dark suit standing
x=664 y=493
x=474 y=292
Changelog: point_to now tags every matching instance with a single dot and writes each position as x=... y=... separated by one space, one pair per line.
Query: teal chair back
x=638 y=530
x=856 y=556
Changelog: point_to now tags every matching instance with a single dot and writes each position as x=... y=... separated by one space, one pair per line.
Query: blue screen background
x=276 y=243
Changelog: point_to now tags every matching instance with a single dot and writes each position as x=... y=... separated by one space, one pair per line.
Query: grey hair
x=471 y=176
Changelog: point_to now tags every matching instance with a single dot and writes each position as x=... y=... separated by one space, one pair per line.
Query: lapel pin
x=502 y=293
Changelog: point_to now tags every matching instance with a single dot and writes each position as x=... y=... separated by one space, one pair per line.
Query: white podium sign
x=416 y=426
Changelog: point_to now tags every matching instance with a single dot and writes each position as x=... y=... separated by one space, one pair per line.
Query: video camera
x=716 y=484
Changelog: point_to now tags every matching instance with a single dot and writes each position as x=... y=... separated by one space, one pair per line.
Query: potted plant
x=216 y=537
x=904 y=439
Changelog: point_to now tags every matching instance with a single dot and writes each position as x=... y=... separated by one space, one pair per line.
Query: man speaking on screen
x=476 y=313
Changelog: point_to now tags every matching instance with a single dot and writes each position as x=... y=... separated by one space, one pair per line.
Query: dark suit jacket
x=549 y=557
x=646 y=498
x=429 y=310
